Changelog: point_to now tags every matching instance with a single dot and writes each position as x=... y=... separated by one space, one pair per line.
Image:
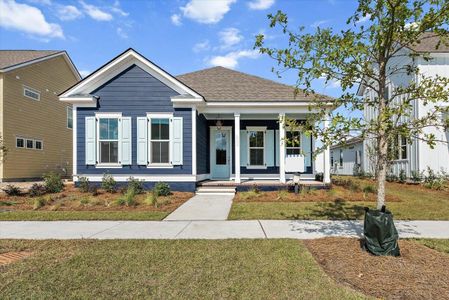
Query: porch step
x=215 y=190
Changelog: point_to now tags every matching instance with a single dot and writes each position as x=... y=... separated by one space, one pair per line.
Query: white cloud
x=207 y=12
x=230 y=37
x=118 y=10
x=68 y=12
x=260 y=4
x=363 y=19
x=176 y=19
x=95 y=12
x=318 y=23
x=29 y=19
x=231 y=59
x=41 y=2
x=84 y=73
x=122 y=33
x=201 y=46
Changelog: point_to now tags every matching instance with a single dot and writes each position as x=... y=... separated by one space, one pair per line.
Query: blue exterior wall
x=134 y=92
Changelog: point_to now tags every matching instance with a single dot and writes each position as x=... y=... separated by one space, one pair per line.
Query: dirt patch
x=419 y=273
x=71 y=199
x=337 y=193
x=10 y=257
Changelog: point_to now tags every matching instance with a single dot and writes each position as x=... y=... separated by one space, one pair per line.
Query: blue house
x=132 y=118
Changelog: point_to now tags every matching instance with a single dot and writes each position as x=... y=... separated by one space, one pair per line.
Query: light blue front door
x=220 y=153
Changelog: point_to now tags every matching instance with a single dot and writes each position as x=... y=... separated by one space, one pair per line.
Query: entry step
x=205 y=190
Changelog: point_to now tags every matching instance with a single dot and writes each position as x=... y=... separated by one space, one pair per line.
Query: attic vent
x=31 y=93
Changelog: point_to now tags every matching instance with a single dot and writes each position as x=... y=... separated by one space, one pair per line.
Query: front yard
x=200 y=269
x=346 y=201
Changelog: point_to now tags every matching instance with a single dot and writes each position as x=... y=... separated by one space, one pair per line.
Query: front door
x=220 y=153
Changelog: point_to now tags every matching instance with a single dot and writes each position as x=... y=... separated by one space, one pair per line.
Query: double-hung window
x=256 y=148
x=69 y=117
x=159 y=141
x=293 y=143
x=341 y=158
x=108 y=140
x=399 y=148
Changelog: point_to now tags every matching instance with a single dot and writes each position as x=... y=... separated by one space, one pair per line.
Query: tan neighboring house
x=35 y=126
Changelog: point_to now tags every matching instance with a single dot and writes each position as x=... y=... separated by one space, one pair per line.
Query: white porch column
x=237 y=147
x=282 y=148
x=193 y=141
x=327 y=160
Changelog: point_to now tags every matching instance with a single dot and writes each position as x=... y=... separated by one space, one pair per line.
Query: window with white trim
x=341 y=158
x=29 y=144
x=108 y=140
x=256 y=148
x=31 y=93
x=293 y=143
x=69 y=117
x=20 y=142
x=38 y=145
x=159 y=140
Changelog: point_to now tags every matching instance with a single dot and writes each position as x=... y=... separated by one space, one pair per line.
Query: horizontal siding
x=134 y=92
x=44 y=120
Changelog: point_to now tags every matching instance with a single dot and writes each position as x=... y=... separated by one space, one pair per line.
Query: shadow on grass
x=337 y=210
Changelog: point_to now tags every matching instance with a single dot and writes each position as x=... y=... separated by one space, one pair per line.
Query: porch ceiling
x=254 y=116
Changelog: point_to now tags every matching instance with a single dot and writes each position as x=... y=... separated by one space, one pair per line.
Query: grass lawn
x=71 y=204
x=407 y=202
x=181 y=269
x=439 y=245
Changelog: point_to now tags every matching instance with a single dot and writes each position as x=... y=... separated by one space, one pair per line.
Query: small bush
x=136 y=185
x=12 y=190
x=38 y=203
x=392 y=178
x=251 y=194
x=282 y=195
x=53 y=182
x=108 y=183
x=369 y=189
x=434 y=180
x=402 y=176
x=162 y=189
x=120 y=201
x=93 y=190
x=84 y=185
x=151 y=198
x=37 y=189
x=416 y=176
x=84 y=201
x=128 y=198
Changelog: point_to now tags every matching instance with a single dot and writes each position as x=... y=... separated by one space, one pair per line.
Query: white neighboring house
x=347 y=159
x=417 y=155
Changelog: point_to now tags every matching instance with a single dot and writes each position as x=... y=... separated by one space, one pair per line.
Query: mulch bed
x=419 y=273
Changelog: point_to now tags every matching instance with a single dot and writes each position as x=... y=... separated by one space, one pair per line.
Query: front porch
x=262 y=184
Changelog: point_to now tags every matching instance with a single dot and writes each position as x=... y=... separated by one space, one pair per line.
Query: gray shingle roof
x=429 y=42
x=10 y=58
x=219 y=84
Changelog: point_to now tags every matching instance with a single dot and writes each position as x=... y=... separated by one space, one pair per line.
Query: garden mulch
x=419 y=273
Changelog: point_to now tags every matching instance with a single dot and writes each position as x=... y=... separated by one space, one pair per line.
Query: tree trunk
x=382 y=165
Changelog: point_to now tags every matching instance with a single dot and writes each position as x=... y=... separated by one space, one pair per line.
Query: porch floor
x=260 y=182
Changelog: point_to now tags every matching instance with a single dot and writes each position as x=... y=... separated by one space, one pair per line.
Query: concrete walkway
x=212 y=207
x=255 y=229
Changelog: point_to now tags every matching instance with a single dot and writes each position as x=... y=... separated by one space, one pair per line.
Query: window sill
x=257 y=167
x=108 y=166
x=162 y=166
x=399 y=160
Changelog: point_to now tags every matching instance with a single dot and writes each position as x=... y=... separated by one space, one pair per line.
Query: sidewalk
x=254 y=229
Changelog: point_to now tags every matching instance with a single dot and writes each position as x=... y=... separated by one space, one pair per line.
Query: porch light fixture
x=219 y=123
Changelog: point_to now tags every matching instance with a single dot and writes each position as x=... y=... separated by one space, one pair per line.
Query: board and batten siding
x=44 y=120
x=134 y=93
x=202 y=145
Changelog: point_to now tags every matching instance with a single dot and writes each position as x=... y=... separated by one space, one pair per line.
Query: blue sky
x=180 y=35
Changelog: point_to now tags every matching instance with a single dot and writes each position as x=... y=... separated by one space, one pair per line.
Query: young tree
x=371 y=50
x=3 y=149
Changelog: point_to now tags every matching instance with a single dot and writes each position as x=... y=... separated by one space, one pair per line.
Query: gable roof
x=116 y=65
x=428 y=42
x=219 y=84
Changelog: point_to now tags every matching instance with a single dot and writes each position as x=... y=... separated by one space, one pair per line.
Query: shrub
x=37 y=189
x=39 y=202
x=151 y=198
x=392 y=177
x=84 y=201
x=282 y=195
x=84 y=185
x=128 y=198
x=416 y=176
x=120 y=201
x=53 y=182
x=402 y=176
x=162 y=189
x=12 y=190
x=433 y=180
x=108 y=183
x=93 y=189
x=136 y=185
x=369 y=189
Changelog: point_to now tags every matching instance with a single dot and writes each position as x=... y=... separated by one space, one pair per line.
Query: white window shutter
x=126 y=141
x=306 y=145
x=269 y=148
x=243 y=148
x=91 y=143
x=142 y=141
x=277 y=146
x=176 y=141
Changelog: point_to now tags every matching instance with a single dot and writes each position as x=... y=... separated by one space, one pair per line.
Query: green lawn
x=31 y=215
x=439 y=245
x=268 y=269
x=417 y=203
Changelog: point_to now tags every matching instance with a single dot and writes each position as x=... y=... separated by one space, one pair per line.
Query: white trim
x=282 y=148
x=193 y=141
x=149 y=178
x=32 y=90
x=108 y=166
x=237 y=147
x=263 y=104
x=108 y=115
x=256 y=129
x=247 y=109
x=202 y=177
x=88 y=101
x=326 y=157
x=26 y=143
x=161 y=115
x=120 y=63
x=42 y=145
x=30 y=62
x=74 y=139
x=67 y=117
x=227 y=128
x=22 y=138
